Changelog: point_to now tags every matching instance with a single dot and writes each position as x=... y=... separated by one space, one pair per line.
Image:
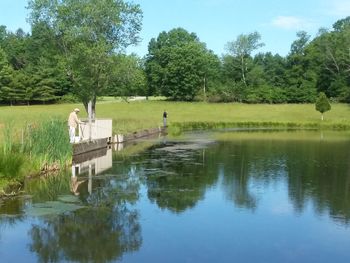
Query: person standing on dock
x=73 y=122
x=165 y=116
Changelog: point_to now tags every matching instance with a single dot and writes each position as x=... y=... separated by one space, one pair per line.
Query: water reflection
x=237 y=172
x=95 y=234
x=103 y=230
x=178 y=176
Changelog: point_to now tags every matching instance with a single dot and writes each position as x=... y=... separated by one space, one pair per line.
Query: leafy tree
x=298 y=46
x=178 y=65
x=301 y=79
x=329 y=58
x=6 y=79
x=43 y=44
x=128 y=76
x=89 y=32
x=14 y=45
x=242 y=48
x=274 y=68
x=18 y=86
x=322 y=104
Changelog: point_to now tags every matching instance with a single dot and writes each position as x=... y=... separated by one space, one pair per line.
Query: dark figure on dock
x=165 y=115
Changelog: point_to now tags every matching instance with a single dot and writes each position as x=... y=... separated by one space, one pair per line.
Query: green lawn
x=133 y=116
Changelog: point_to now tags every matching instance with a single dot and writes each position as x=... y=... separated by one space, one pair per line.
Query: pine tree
x=6 y=79
x=322 y=104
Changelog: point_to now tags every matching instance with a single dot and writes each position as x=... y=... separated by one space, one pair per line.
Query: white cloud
x=291 y=22
x=339 y=8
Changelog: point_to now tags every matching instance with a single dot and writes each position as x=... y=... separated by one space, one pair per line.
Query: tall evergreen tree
x=6 y=79
x=322 y=104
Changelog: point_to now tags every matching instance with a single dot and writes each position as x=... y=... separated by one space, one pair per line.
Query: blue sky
x=217 y=22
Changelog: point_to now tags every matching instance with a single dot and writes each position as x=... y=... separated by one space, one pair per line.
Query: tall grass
x=33 y=148
x=8 y=138
x=11 y=163
x=49 y=142
x=11 y=166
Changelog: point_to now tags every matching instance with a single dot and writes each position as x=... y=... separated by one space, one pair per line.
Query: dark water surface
x=207 y=197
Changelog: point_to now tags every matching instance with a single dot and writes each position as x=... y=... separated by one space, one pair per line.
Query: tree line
x=76 y=51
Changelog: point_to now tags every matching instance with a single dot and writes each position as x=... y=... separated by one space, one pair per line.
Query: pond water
x=224 y=196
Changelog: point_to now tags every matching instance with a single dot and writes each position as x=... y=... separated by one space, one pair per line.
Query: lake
x=216 y=196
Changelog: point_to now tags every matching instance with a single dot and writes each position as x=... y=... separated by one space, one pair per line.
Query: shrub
x=11 y=166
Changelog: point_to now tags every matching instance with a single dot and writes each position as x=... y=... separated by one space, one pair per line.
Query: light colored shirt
x=73 y=120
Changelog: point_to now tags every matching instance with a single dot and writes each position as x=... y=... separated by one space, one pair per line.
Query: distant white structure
x=137 y=98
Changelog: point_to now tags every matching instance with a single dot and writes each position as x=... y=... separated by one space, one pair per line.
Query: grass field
x=133 y=116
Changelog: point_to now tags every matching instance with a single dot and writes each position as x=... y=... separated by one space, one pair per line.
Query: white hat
x=76 y=110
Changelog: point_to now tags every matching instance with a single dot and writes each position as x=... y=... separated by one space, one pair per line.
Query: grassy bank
x=133 y=116
x=32 y=149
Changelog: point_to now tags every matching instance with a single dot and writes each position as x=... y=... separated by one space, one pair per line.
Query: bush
x=69 y=98
x=11 y=166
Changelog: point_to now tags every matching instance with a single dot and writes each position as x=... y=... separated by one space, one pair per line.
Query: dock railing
x=100 y=129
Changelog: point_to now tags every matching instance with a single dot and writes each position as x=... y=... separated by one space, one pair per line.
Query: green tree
x=301 y=78
x=329 y=58
x=14 y=45
x=128 y=76
x=322 y=104
x=178 y=65
x=6 y=79
x=89 y=33
x=242 y=48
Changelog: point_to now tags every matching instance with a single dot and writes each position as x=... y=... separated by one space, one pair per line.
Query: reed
x=34 y=148
x=7 y=138
x=11 y=166
x=48 y=142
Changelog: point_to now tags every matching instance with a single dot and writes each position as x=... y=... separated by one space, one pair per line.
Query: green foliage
x=11 y=161
x=75 y=47
x=322 y=104
x=33 y=148
x=178 y=65
x=242 y=48
x=69 y=98
x=128 y=77
x=6 y=78
x=49 y=142
x=11 y=166
x=329 y=58
x=89 y=33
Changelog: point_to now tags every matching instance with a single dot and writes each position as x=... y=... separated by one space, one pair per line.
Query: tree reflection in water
x=317 y=171
x=176 y=176
x=183 y=177
x=102 y=232
x=88 y=235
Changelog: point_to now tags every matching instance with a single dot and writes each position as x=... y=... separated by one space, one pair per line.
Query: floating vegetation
x=69 y=199
x=51 y=208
